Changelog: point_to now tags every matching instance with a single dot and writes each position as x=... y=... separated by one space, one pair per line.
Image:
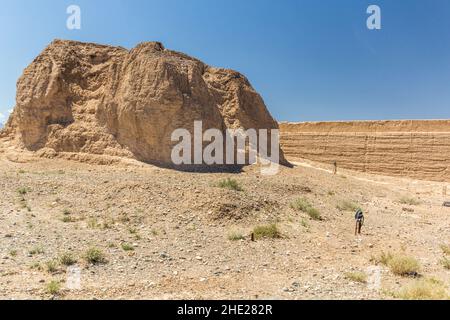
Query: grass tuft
x=423 y=289
x=51 y=266
x=68 y=219
x=53 y=287
x=235 y=236
x=409 y=201
x=404 y=266
x=231 y=184
x=67 y=259
x=399 y=264
x=346 y=205
x=356 y=276
x=36 y=250
x=304 y=224
x=269 y=231
x=303 y=205
x=95 y=256
x=22 y=191
x=445 y=249
x=127 y=247
x=92 y=223
x=446 y=263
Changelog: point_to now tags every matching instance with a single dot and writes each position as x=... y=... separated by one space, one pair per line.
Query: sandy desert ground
x=174 y=235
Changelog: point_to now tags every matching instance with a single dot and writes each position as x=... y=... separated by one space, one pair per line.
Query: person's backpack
x=359 y=214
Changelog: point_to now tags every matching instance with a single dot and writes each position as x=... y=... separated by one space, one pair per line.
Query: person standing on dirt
x=359 y=217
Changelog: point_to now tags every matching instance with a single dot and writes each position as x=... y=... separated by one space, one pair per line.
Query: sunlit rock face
x=96 y=99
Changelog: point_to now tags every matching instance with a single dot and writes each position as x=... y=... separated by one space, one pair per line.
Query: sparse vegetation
x=36 y=266
x=137 y=237
x=346 y=205
x=267 y=231
x=36 y=250
x=235 y=236
x=124 y=217
x=423 y=289
x=107 y=224
x=446 y=249
x=446 y=263
x=51 y=266
x=231 y=184
x=22 y=191
x=93 y=223
x=385 y=258
x=68 y=219
x=135 y=233
x=13 y=253
x=95 y=256
x=303 y=205
x=67 y=259
x=53 y=287
x=356 y=276
x=404 y=266
x=127 y=247
x=399 y=264
x=409 y=201
x=22 y=200
x=304 y=224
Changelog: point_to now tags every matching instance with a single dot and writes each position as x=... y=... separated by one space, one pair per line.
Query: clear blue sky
x=310 y=60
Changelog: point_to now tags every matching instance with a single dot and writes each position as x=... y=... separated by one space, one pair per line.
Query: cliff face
x=417 y=149
x=82 y=97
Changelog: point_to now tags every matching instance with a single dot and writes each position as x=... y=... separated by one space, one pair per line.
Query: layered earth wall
x=413 y=148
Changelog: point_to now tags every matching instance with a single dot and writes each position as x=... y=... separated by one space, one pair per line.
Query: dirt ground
x=166 y=234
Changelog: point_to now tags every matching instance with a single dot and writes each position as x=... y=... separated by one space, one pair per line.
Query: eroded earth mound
x=101 y=100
